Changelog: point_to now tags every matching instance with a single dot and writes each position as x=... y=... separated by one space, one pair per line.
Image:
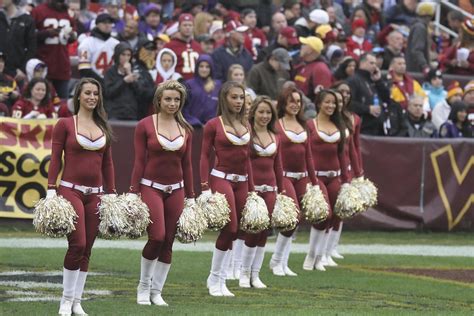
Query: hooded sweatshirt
x=202 y=105
x=170 y=74
x=30 y=71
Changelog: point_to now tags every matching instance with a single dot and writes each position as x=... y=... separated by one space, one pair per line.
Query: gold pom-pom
x=137 y=215
x=314 y=204
x=216 y=210
x=54 y=217
x=368 y=191
x=113 y=218
x=191 y=223
x=349 y=202
x=285 y=213
x=254 y=215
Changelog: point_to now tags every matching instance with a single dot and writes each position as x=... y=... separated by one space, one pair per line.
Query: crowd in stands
x=373 y=46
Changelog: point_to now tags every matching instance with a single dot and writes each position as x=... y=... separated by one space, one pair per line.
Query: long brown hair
x=176 y=86
x=282 y=101
x=47 y=96
x=345 y=111
x=253 y=109
x=336 y=117
x=98 y=115
x=223 y=106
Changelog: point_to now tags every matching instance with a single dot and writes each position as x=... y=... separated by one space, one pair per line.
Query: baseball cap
x=216 y=26
x=453 y=89
x=319 y=16
x=426 y=9
x=290 y=34
x=322 y=30
x=358 y=23
x=185 y=17
x=314 y=42
x=104 y=18
x=283 y=57
x=163 y=37
x=233 y=25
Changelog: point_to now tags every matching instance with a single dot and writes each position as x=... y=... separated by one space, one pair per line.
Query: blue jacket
x=201 y=105
x=223 y=58
x=435 y=95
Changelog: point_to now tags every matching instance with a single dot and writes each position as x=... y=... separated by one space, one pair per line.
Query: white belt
x=295 y=175
x=265 y=188
x=82 y=188
x=229 y=176
x=167 y=188
x=328 y=173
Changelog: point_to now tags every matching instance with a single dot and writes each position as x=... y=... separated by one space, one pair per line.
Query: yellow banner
x=25 y=152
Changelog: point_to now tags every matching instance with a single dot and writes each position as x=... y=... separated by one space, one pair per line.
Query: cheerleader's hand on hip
x=50 y=193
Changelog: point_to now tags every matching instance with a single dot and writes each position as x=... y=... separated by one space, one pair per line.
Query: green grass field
x=361 y=285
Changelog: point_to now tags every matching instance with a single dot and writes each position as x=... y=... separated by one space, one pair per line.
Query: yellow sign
x=25 y=152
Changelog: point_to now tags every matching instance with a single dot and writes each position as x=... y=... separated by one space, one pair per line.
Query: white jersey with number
x=96 y=54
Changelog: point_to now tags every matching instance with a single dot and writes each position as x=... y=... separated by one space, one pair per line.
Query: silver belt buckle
x=235 y=178
x=88 y=191
x=264 y=188
x=168 y=189
x=299 y=175
x=332 y=174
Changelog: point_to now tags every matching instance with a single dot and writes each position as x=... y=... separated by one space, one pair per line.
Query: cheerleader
x=297 y=163
x=268 y=178
x=228 y=136
x=328 y=136
x=162 y=175
x=88 y=172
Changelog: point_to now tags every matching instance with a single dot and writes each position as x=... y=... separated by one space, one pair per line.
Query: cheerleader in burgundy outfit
x=229 y=136
x=297 y=163
x=88 y=172
x=162 y=175
x=328 y=136
x=268 y=180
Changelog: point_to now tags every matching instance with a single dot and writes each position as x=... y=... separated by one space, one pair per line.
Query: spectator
x=346 y=69
x=186 y=49
x=313 y=72
x=113 y=8
x=455 y=21
x=376 y=18
x=151 y=26
x=233 y=52
x=334 y=55
x=457 y=124
x=418 y=46
x=459 y=58
x=160 y=41
x=441 y=110
x=287 y=39
x=35 y=103
x=417 y=126
x=130 y=34
x=309 y=108
x=165 y=65
x=393 y=48
x=55 y=30
x=278 y=22
x=202 y=24
x=305 y=26
x=225 y=8
x=237 y=73
x=434 y=88
x=267 y=77
x=8 y=86
x=291 y=10
x=468 y=98
x=207 y=43
x=217 y=31
x=358 y=13
x=369 y=93
x=256 y=36
x=194 y=7
x=17 y=38
x=357 y=44
x=404 y=86
x=204 y=90
x=402 y=13
x=120 y=86
x=35 y=68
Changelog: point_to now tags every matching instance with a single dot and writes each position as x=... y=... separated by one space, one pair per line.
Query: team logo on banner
x=25 y=152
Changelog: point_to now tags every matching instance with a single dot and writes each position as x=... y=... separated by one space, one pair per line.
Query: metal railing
x=439 y=26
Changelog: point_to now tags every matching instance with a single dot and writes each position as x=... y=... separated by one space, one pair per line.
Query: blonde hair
x=176 y=86
x=200 y=23
x=231 y=70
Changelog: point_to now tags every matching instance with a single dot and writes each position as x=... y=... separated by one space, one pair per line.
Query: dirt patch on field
x=459 y=275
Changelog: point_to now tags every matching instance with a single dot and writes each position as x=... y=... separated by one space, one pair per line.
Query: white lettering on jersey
x=52 y=23
x=96 y=54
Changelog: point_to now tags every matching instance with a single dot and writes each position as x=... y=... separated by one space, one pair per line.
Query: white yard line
x=412 y=250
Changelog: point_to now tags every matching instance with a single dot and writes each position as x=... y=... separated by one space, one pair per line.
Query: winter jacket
x=202 y=105
x=355 y=47
x=264 y=80
x=422 y=128
x=223 y=58
x=418 y=48
x=435 y=95
x=310 y=75
x=440 y=113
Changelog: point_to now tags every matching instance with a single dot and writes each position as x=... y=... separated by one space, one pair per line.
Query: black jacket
x=17 y=41
x=420 y=129
x=418 y=47
x=363 y=90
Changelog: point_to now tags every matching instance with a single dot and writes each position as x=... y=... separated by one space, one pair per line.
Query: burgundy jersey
x=187 y=53
x=53 y=51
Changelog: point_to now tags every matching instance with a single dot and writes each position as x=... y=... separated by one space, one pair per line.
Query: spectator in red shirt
x=224 y=7
x=459 y=58
x=36 y=103
x=256 y=37
x=357 y=44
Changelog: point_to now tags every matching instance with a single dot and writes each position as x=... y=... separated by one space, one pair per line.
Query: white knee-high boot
x=248 y=254
x=315 y=236
x=143 y=290
x=158 y=281
x=213 y=281
x=230 y=266
x=276 y=263
x=79 y=289
x=69 y=286
x=223 y=276
x=320 y=249
x=327 y=259
x=286 y=257
x=237 y=257
x=256 y=266
x=335 y=242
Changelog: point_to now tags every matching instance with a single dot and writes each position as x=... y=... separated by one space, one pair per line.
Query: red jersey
x=266 y=164
x=53 y=51
x=450 y=55
x=355 y=49
x=231 y=157
x=311 y=75
x=158 y=164
x=187 y=54
x=23 y=107
x=92 y=168
x=257 y=40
